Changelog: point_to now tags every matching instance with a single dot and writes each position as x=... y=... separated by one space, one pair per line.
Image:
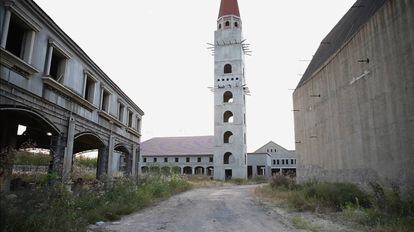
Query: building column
x=182 y=170
x=68 y=159
x=192 y=170
x=57 y=150
x=5 y=28
x=110 y=155
x=48 y=60
x=28 y=46
x=134 y=160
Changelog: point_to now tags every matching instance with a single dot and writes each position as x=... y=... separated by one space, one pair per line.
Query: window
x=278 y=162
x=274 y=162
x=228 y=97
x=236 y=24
x=105 y=100
x=165 y=160
x=155 y=160
x=19 y=38
x=199 y=160
x=211 y=160
x=187 y=159
x=176 y=160
x=283 y=162
x=228 y=137
x=291 y=161
x=56 y=65
x=130 y=115
x=271 y=150
x=145 y=160
x=227 y=23
x=219 y=26
x=227 y=158
x=228 y=117
x=228 y=69
x=89 y=88
x=121 y=108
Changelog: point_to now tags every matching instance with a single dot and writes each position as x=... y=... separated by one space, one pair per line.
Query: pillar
x=49 y=60
x=135 y=153
x=57 y=151
x=5 y=29
x=110 y=155
x=7 y=144
x=28 y=46
x=68 y=159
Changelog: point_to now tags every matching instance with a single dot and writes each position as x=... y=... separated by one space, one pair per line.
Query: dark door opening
x=229 y=174
x=249 y=172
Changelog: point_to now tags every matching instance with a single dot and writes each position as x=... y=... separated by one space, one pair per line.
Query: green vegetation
x=303 y=224
x=57 y=209
x=87 y=162
x=29 y=158
x=380 y=209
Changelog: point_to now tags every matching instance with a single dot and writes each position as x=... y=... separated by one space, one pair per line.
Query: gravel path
x=211 y=209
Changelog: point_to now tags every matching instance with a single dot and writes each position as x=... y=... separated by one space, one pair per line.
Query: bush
x=281 y=181
x=87 y=162
x=29 y=158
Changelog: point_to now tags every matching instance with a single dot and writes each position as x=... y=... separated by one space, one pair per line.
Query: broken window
x=176 y=160
x=105 y=100
x=228 y=117
x=155 y=160
x=145 y=160
x=228 y=137
x=89 y=88
x=57 y=65
x=20 y=39
x=211 y=159
x=187 y=159
x=228 y=97
x=121 y=108
x=227 y=158
x=228 y=69
x=199 y=160
x=165 y=160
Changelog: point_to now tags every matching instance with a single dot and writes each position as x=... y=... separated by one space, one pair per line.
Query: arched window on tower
x=228 y=117
x=227 y=23
x=228 y=97
x=228 y=137
x=228 y=69
x=228 y=158
x=219 y=26
x=236 y=24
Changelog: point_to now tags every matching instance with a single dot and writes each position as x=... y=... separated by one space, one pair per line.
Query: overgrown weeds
x=57 y=209
x=382 y=209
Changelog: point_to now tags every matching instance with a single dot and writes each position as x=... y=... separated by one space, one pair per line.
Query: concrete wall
x=362 y=130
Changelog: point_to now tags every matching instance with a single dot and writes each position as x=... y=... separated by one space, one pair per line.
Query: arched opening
x=155 y=169
x=188 y=170
x=219 y=26
x=228 y=158
x=236 y=24
x=176 y=170
x=228 y=97
x=121 y=161
x=28 y=148
x=210 y=171
x=144 y=169
x=228 y=69
x=166 y=171
x=227 y=23
x=199 y=171
x=90 y=157
x=228 y=137
x=228 y=117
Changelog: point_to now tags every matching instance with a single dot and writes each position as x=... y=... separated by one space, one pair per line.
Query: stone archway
x=121 y=161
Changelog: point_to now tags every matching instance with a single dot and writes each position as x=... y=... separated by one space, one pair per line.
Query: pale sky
x=156 y=52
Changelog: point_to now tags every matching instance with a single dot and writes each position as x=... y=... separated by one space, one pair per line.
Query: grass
x=29 y=158
x=57 y=209
x=381 y=209
x=303 y=224
x=87 y=162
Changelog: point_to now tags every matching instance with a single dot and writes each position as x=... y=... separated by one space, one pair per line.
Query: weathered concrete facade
x=67 y=103
x=354 y=107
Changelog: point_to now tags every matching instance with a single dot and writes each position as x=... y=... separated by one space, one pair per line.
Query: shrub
x=281 y=181
x=29 y=158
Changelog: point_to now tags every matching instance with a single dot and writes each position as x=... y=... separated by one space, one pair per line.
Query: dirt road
x=232 y=209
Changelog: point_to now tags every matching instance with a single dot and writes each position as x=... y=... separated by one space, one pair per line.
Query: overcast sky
x=156 y=52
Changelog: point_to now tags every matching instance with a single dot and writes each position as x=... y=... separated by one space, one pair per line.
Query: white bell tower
x=230 y=153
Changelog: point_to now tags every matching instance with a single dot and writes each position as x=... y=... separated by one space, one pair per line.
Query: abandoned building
x=64 y=100
x=230 y=152
x=195 y=156
x=354 y=106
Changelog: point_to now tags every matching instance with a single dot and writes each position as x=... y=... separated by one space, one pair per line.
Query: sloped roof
x=229 y=7
x=346 y=28
x=177 y=146
x=271 y=144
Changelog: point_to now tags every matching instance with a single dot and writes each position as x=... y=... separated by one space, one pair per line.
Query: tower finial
x=229 y=7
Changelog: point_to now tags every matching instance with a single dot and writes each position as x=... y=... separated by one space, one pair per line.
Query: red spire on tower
x=229 y=7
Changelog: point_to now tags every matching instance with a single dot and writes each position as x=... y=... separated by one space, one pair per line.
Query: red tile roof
x=229 y=7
